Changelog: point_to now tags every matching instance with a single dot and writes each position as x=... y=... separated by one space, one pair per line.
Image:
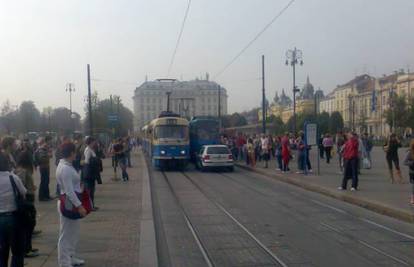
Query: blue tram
x=204 y=130
x=166 y=141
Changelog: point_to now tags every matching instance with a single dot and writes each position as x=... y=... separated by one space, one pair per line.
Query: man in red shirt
x=350 y=156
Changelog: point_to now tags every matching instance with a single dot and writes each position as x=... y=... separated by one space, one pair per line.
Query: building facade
x=364 y=100
x=306 y=102
x=187 y=98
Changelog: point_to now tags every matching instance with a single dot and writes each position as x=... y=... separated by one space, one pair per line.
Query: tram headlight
x=162 y=152
x=182 y=152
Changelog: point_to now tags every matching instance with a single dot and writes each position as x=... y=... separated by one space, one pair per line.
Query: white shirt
x=69 y=181
x=7 y=200
x=89 y=153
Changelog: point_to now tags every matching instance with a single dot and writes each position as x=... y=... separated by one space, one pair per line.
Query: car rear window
x=218 y=150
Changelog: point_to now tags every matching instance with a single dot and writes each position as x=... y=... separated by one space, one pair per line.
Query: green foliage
x=324 y=121
x=278 y=127
x=336 y=122
x=396 y=115
x=101 y=109
x=233 y=120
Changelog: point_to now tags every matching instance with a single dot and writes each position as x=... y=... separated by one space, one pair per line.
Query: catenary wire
x=254 y=39
x=179 y=38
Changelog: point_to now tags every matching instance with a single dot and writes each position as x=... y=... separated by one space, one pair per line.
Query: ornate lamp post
x=294 y=57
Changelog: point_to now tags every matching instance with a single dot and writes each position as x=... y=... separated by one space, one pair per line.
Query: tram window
x=171 y=131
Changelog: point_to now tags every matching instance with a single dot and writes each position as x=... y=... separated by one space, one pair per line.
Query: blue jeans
x=11 y=238
x=279 y=161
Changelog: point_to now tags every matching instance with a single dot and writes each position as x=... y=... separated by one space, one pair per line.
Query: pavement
x=112 y=236
x=375 y=192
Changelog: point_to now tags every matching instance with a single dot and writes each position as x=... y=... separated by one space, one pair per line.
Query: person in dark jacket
x=42 y=160
x=391 y=154
x=350 y=157
x=90 y=171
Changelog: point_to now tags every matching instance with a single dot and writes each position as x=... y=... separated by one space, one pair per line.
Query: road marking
x=388 y=229
x=366 y=244
x=328 y=206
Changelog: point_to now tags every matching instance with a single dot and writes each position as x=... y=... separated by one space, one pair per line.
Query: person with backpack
x=409 y=161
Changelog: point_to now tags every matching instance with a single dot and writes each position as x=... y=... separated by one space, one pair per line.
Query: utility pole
x=70 y=89
x=112 y=113
x=294 y=57
x=90 y=101
x=219 y=106
x=263 y=97
x=168 y=101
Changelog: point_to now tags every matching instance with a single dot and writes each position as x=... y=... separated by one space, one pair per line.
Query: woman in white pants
x=69 y=183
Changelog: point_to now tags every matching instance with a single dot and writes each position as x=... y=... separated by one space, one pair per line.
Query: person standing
x=278 y=153
x=321 y=148
x=328 y=144
x=251 y=152
x=285 y=153
x=391 y=155
x=11 y=229
x=409 y=161
x=265 y=148
x=69 y=183
x=350 y=156
x=340 y=141
x=42 y=160
x=300 y=146
x=8 y=147
x=120 y=158
x=24 y=171
x=90 y=168
x=368 y=145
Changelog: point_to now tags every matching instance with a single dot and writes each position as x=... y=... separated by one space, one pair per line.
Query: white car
x=215 y=156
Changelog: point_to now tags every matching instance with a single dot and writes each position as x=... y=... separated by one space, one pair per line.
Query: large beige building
x=364 y=100
x=187 y=98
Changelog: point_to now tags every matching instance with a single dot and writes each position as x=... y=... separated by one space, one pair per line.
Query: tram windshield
x=171 y=132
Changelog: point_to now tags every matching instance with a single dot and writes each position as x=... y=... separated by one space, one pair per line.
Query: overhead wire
x=179 y=38
x=255 y=38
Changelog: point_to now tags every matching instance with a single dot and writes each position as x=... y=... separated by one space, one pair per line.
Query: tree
x=278 y=127
x=336 y=122
x=9 y=117
x=101 y=109
x=324 y=121
x=396 y=115
x=233 y=120
x=29 y=117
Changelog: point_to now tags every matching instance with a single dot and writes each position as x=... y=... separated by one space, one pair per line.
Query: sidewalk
x=375 y=193
x=109 y=237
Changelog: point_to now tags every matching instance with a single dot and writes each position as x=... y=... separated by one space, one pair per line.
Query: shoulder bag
x=23 y=210
x=68 y=210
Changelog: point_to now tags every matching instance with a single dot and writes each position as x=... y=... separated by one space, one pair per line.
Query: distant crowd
x=353 y=152
x=78 y=170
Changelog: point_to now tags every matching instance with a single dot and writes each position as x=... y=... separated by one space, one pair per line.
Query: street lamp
x=71 y=89
x=294 y=57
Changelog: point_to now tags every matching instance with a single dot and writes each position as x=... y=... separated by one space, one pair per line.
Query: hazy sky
x=47 y=43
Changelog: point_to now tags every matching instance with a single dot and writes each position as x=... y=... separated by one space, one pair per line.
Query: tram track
x=209 y=259
x=332 y=228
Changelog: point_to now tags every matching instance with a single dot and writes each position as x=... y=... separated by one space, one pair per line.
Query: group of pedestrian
x=353 y=153
x=79 y=167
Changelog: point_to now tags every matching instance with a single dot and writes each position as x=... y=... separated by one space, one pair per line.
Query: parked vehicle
x=215 y=157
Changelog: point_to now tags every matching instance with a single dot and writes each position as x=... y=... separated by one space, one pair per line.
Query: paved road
x=245 y=219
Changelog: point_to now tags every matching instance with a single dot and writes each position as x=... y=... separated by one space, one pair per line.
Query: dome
x=307 y=90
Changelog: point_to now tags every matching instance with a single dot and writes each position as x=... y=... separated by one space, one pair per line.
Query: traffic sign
x=113 y=118
x=311 y=134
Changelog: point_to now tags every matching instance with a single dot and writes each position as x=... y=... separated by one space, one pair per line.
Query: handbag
x=22 y=212
x=68 y=210
x=366 y=164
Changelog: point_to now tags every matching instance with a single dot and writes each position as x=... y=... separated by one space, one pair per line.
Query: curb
x=148 y=244
x=352 y=199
